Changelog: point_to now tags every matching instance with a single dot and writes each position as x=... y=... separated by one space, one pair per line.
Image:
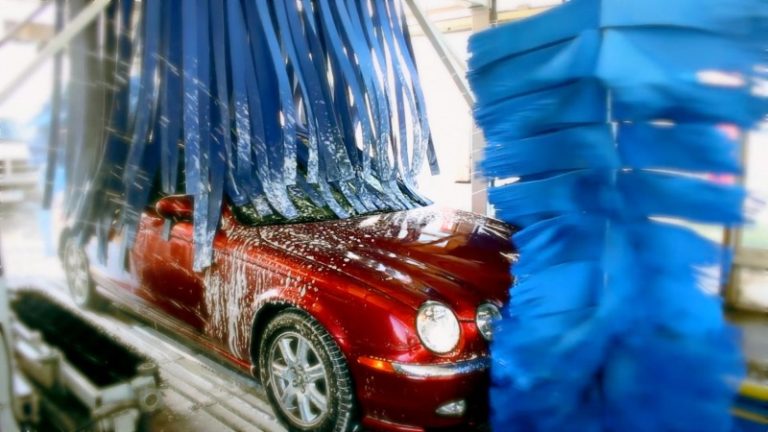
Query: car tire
x=305 y=375
x=81 y=286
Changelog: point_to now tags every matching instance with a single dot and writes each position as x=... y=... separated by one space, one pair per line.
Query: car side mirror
x=176 y=207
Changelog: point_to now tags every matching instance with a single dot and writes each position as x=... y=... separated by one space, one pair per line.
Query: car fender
x=371 y=327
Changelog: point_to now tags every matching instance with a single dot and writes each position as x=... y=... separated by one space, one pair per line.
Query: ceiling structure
x=449 y=16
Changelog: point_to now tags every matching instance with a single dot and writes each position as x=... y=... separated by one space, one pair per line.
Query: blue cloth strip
x=265 y=105
x=689 y=77
x=170 y=109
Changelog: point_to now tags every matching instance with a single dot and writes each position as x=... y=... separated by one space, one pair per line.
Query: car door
x=165 y=271
x=115 y=272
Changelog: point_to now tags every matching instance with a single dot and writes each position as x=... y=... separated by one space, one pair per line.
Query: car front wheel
x=305 y=374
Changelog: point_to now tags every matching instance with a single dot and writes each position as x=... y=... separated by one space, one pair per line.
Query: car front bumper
x=414 y=397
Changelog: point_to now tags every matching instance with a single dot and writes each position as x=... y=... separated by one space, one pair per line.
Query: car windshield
x=309 y=210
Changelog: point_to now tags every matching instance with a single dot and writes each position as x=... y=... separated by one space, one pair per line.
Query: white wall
x=451 y=121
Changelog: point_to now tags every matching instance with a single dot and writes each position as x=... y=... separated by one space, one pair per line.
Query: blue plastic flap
x=698 y=147
x=552 y=26
x=588 y=146
x=550 y=66
x=579 y=103
x=733 y=17
x=681 y=75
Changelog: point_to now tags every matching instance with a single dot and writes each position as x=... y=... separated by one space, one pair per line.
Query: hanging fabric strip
x=347 y=79
x=421 y=105
x=360 y=54
x=221 y=101
x=287 y=112
x=136 y=176
x=243 y=169
x=422 y=138
x=116 y=143
x=275 y=106
x=389 y=69
x=191 y=112
x=298 y=61
x=319 y=103
x=206 y=209
x=268 y=92
x=170 y=109
x=268 y=136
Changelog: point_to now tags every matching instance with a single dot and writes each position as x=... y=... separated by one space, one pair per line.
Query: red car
x=380 y=320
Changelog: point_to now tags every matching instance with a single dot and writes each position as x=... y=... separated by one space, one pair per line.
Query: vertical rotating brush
x=606 y=120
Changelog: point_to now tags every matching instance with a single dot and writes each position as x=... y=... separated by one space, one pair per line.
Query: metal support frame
x=55 y=45
x=456 y=68
x=732 y=237
x=482 y=12
x=7 y=417
x=743 y=257
x=481 y=20
x=8 y=36
x=121 y=404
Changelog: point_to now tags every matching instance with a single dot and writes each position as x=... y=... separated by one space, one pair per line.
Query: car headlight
x=487 y=313
x=437 y=327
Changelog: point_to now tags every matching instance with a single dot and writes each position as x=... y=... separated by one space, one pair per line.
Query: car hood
x=430 y=253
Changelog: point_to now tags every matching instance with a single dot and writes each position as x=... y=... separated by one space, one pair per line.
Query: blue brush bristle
x=614 y=323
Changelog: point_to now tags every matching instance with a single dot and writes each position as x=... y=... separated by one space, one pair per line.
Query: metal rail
x=56 y=44
x=120 y=404
x=8 y=36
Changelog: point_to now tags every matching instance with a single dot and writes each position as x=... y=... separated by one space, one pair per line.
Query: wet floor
x=199 y=394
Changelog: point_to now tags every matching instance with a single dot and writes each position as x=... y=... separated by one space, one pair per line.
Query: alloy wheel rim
x=299 y=379
x=77 y=273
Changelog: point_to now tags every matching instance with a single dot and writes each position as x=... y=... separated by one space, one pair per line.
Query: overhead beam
x=34 y=33
x=481 y=20
x=25 y=23
x=55 y=45
x=477 y=3
x=464 y=24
